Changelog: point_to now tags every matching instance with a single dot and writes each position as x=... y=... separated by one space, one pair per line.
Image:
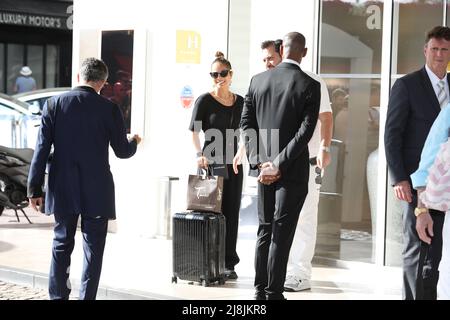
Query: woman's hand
x=323 y=159
x=202 y=162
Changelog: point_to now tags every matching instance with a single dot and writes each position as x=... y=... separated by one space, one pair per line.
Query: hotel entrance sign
x=188 y=47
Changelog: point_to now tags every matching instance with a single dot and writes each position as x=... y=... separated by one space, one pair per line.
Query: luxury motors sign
x=31 y=20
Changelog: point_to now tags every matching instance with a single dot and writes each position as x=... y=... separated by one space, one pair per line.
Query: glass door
x=412 y=20
x=350 y=63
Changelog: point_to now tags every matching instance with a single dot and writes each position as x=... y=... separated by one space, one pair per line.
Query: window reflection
x=415 y=18
x=117 y=53
x=52 y=66
x=8 y=117
x=394 y=229
x=2 y=58
x=347 y=207
x=394 y=225
x=35 y=58
x=351 y=37
x=350 y=62
x=14 y=57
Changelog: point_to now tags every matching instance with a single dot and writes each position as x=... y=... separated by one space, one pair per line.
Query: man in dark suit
x=81 y=125
x=280 y=113
x=415 y=102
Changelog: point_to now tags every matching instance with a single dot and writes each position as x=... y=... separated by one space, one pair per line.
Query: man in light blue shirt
x=25 y=82
x=439 y=133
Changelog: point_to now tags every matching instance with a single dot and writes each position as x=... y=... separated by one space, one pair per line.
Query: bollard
x=165 y=208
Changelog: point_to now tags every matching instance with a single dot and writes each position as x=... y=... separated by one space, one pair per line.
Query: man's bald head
x=294 y=46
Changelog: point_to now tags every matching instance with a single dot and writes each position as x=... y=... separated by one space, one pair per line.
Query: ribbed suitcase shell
x=199 y=247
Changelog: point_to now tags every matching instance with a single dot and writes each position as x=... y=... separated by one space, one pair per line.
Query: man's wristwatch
x=419 y=211
x=326 y=149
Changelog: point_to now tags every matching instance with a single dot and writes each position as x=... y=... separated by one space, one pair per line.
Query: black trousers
x=231 y=204
x=420 y=260
x=279 y=206
x=94 y=237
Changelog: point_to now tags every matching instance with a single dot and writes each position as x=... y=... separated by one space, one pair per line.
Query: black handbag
x=220 y=170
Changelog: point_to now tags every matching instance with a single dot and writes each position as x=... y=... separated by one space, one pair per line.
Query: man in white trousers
x=299 y=267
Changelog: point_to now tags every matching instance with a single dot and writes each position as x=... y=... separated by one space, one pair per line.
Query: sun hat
x=25 y=71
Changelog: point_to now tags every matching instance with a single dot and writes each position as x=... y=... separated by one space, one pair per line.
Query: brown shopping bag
x=205 y=193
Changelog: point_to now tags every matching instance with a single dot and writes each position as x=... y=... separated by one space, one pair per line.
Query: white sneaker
x=295 y=284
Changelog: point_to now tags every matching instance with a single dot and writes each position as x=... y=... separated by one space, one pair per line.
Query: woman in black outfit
x=220 y=110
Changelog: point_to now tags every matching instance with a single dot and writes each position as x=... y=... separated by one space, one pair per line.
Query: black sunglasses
x=222 y=73
x=318 y=172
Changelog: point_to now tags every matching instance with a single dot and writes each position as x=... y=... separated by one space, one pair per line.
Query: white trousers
x=303 y=245
x=443 y=286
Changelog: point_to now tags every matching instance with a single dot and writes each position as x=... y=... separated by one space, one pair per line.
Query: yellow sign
x=188 y=46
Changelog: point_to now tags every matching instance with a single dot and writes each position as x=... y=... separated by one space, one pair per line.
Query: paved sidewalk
x=11 y=291
x=141 y=268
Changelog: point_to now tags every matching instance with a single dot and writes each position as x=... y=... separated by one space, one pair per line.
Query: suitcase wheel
x=174 y=279
x=221 y=281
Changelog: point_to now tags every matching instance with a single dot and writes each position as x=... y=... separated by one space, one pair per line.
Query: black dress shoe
x=230 y=274
x=275 y=297
x=260 y=296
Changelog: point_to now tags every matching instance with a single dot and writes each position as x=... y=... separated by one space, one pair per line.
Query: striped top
x=438 y=135
x=437 y=192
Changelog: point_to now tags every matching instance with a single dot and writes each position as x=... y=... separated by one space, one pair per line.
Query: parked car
x=38 y=97
x=19 y=123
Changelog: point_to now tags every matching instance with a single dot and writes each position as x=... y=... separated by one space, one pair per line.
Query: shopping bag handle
x=205 y=172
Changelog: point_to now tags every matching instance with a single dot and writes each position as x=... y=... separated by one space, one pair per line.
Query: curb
x=39 y=280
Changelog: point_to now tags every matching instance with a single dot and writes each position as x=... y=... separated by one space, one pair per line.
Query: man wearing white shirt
x=299 y=267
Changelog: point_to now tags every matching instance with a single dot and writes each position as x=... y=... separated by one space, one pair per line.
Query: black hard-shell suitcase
x=199 y=247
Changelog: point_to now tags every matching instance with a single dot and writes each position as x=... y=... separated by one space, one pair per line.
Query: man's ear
x=281 y=51
x=305 y=51
x=78 y=77
x=102 y=84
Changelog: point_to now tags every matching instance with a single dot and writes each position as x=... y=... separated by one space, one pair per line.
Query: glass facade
x=351 y=37
x=350 y=57
x=52 y=64
x=415 y=18
x=2 y=65
x=14 y=60
x=350 y=63
x=43 y=60
x=8 y=117
x=35 y=58
x=117 y=52
x=359 y=48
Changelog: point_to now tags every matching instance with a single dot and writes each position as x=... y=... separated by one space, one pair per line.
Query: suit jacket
x=288 y=100
x=413 y=107
x=81 y=125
